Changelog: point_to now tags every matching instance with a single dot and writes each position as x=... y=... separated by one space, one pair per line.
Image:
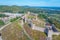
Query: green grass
x=18 y=23
x=14 y=19
x=30 y=17
x=1 y=23
x=55 y=37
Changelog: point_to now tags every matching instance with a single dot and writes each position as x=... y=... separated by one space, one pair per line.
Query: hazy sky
x=52 y=3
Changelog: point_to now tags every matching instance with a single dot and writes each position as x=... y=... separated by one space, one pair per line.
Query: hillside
x=22 y=9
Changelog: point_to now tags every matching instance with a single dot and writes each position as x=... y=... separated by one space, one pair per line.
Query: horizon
x=41 y=3
x=28 y=6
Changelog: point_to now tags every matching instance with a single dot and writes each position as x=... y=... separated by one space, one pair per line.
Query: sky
x=47 y=3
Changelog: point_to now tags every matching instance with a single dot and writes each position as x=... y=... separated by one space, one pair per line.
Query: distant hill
x=22 y=9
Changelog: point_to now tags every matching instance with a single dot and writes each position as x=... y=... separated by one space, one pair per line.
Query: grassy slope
x=55 y=37
x=37 y=35
x=14 y=32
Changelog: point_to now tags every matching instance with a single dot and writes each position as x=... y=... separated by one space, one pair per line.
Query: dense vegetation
x=17 y=9
x=1 y=23
x=3 y=15
x=14 y=19
x=42 y=16
x=57 y=24
x=22 y=9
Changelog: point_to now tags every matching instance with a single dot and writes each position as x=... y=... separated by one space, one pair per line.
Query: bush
x=1 y=23
x=14 y=19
